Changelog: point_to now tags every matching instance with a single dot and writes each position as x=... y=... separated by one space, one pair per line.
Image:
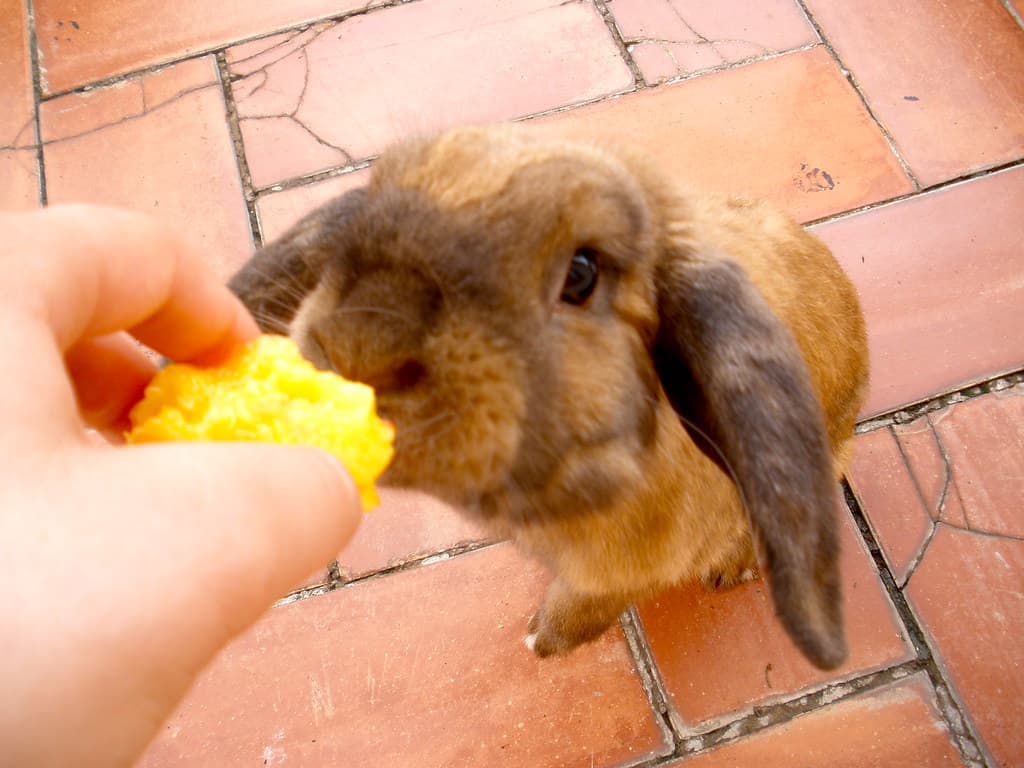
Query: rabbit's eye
x=582 y=277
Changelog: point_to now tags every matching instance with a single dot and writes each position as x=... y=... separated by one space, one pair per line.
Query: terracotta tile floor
x=895 y=129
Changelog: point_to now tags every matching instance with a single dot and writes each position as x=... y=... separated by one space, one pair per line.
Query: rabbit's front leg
x=569 y=618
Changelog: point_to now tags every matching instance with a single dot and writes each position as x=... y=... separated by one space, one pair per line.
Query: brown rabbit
x=625 y=378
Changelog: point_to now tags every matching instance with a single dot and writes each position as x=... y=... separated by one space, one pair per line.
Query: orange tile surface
x=425 y=668
x=719 y=652
x=158 y=144
x=672 y=38
x=19 y=179
x=83 y=42
x=966 y=463
x=942 y=290
x=947 y=79
x=16 y=129
x=18 y=175
x=901 y=511
x=967 y=593
x=983 y=443
x=895 y=726
x=319 y=94
x=788 y=130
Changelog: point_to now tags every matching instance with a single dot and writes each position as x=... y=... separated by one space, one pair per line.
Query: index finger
x=87 y=271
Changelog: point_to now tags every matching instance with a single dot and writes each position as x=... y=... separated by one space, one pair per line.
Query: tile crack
x=145 y=111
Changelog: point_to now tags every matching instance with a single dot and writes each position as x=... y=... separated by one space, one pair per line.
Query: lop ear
x=733 y=372
x=274 y=282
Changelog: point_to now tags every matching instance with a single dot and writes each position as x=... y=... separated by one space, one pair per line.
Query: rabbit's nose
x=376 y=335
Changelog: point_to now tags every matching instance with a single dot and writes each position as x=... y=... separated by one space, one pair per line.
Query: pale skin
x=127 y=568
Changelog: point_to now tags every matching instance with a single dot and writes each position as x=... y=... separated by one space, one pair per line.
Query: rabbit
x=639 y=384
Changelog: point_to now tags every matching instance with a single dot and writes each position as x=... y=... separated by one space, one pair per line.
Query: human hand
x=128 y=568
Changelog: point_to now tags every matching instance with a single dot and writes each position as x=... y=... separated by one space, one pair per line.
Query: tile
x=897 y=725
x=15 y=78
x=961 y=466
x=983 y=443
x=426 y=667
x=928 y=463
x=404 y=527
x=19 y=179
x=891 y=499
x=342 y=92
x=967 y=463
x=967 y=594
x=159 y=144
x=672 y=38
x=941 y=283
x=946 y=79
x=279 y=210
x=723 y=652
x=83 y=42
x=789 y=130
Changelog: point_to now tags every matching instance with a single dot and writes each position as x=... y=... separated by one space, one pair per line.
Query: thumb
x=251 y=519
x=178 y=548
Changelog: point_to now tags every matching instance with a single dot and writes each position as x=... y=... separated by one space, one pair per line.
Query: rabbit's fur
x=721 y=343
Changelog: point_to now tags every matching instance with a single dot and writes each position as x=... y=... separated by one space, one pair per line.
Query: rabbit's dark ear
x=274 y=282
x=733 y=372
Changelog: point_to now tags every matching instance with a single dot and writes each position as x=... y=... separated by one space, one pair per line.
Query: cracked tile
x=425 y=667
x=159 y=144
x=672 y=38
x=723 y=652
x=81 y=43
x=927 y=460
x=946 y=79
x=896 y=725
x=789 y=130
x=984 y=442
x=891 y=499
x=339 y=92
x=942 y=290
x=968 y=594
x=961 y=466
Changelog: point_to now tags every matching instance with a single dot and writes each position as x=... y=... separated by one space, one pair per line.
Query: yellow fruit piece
x=268 y=392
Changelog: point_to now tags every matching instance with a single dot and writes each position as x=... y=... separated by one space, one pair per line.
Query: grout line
x=725 y=67
x=305 y=24
x=418 y=562
x=37 y=95
x=1013 y=12
x=765 y=717
x=336 y=578
x=602 y=8
x=907 y=413
x=316 y=177
x=234 y=129
x=967 y=742
x=860 y=93
x=937 y=187
x=650 y=678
